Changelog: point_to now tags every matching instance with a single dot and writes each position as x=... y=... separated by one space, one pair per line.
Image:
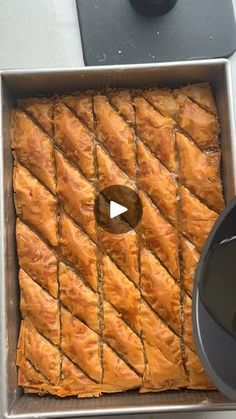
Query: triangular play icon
x=116 y=209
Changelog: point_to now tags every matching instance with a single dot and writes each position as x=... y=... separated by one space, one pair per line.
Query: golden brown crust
x=41 y=110
x=77 y=297
x=122 y=100
x=36 y=258
x=160 y=235
x=122 y=339
x=197 y=219
x=41 y=309
x=121 y=293
x=83 y=106
x=160 y=373
x=115 y=134
x=32 y=347
x=157 y=333
x=67 y=130
x=30 y=376
x=202 y=94
x=164 y=368
x=76 y=195
x=81 y=345
x=122 y=248
x=163 y=100
x=109 y=173
x=200 y=172
x=78 y=250
x=34 y=204
x=117 y=377
x=33 y=148
x=157 y=181
x=117 y=374
x=188 y=330
x=105 y=312
x=197 y=378
x=156 y=131
x=74 y=381
x=201 y=125
x=160 y=290
x=190 y=258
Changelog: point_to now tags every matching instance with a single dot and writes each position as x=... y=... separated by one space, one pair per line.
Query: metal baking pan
x=16 y=84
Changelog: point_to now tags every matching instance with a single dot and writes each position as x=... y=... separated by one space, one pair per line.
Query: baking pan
x=16 y=84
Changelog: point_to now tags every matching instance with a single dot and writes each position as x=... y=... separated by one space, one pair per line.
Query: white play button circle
x=116 y=209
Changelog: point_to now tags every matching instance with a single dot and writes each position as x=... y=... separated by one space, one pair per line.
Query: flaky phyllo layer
x=104 y=312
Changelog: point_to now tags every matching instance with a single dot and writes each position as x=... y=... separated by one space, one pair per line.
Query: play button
x=118 y=209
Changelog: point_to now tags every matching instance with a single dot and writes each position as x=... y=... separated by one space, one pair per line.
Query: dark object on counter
x=214 y=303
x=113 y=32
x=153 y=7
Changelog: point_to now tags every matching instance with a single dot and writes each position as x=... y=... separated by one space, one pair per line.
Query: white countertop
x=39 y=34
x=43 y=34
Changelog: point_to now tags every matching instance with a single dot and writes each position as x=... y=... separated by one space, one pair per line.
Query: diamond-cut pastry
x=158 y=182
x=160 y=235
x=76 y=194
x=105 y=312
x=163 y=100
x=35 y=205
x=160 y=373
x=75 y=381
x=164 y=367
x=197 y=378
x=200 y=172
x=156 y=131
x=121 y=293
x=118 y=376
x=74 y=139
x=109 y=173
x=42 y=309
x=197 y=219
x=33 y=148
x=78 y=298
x=42 y=112
x=81 y=345
x=160 y=290
x=122 y=248
x=82 y=105
x=122 y=100
x=36 y=258
x=190 y=258
x=78 y=250
x=32 y=346
x=201 y=125
x=115 y=134
x=202 y=94
x=122 y=339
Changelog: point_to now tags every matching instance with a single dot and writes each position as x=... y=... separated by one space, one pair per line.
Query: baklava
x=105 y=312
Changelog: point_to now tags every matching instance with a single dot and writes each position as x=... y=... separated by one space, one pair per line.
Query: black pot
x=153 y=7
x=214 y=301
